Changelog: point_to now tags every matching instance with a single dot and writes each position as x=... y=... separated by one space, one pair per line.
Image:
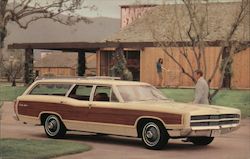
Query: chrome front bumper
x=211 y=131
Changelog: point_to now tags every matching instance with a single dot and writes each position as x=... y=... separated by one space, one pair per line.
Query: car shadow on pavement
x=185 y=146
x=126 y=141
x=106 y=139
x=100 y=139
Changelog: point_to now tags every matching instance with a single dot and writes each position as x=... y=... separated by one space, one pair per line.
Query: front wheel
x=53 y=127
x=154 y=136
x=201 y=140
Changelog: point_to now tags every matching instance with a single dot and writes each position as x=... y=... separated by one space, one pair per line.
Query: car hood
x=185 y=108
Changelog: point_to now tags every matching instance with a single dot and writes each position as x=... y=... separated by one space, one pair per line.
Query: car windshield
x=131 y=93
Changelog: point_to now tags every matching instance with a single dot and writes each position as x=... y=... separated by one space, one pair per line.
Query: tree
x=25 y=12
x=189 y=31
x=13 y=66
x=119 y=68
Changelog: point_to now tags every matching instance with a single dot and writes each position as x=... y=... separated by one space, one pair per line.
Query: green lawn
x=39 y=149
x=231 y=98
x=8 y=93
x=179 y=95
x=1 y=103
x=235 y=99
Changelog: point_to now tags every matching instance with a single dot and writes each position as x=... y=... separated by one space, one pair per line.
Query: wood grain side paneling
x=102 y=115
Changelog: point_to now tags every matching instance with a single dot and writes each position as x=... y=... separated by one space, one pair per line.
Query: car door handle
x=90 y=105
x=62 y=102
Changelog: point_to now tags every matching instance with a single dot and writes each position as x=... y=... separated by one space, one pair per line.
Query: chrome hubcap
x=151 y=134
x=52 y=125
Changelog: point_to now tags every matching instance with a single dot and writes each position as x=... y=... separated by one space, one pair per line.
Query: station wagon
x=123 y=108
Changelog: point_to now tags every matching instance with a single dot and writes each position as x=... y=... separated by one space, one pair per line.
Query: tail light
x=15 y=108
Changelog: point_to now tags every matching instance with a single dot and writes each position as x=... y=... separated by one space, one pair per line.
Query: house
x=63 y=64
x=169 y=23
x=129 y=13
x=141 y=36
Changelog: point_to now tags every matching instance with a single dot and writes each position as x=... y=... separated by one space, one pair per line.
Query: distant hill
x=46 y=30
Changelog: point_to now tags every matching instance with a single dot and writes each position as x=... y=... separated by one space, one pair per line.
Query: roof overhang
x=138 y=5
x=77 y=46
x=95 y=46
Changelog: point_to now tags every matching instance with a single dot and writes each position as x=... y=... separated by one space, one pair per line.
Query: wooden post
x=28 y=66
x=81 y=63
x=98 y=63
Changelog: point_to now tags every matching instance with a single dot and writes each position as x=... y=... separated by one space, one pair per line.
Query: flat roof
x=76 y=46
x=95 y=46
x=138 y=5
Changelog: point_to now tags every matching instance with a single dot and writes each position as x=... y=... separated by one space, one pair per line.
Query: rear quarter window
x=81 y=92
x=50 y=89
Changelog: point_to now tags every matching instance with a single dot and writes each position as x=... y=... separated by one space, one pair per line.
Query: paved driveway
x=232 y=146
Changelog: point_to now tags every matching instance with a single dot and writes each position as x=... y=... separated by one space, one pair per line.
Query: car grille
x=215 y=120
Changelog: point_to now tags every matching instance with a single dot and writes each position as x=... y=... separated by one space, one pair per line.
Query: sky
x=111 y=8
x=105 y=8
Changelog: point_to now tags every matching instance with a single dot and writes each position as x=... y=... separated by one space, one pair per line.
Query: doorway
x=133 y=63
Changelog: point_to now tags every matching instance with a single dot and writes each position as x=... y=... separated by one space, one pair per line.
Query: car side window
x=105 y=94
x=50 y=89
x=81 y=92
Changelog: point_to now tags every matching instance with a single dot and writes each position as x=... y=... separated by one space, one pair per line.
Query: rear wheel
x=154 y=136
x=201 y=140
x=53 y=127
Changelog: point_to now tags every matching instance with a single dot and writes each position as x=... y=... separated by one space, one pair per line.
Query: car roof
x=91 y=81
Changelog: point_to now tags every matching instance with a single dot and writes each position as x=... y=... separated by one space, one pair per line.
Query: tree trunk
x=2 y=36
x=13 y=82
x=227 y=60
x=3 y=32
x=227 y=74
x=227 y=81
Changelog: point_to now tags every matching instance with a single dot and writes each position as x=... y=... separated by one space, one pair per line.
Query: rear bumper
x=204 y=131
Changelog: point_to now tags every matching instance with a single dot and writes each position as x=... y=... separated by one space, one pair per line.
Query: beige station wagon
x=123 y=108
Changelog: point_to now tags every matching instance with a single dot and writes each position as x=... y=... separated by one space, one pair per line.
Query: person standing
x=159 y=69
x=201 y=89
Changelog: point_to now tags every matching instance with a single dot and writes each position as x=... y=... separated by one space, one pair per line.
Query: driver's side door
x=106 y=112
